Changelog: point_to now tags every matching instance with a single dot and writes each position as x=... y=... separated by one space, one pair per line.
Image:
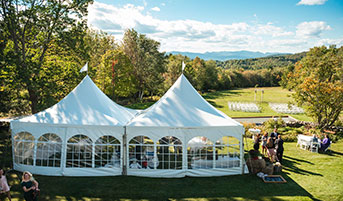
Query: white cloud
x=271 y=30
x=197 y=36
x=327 y=42
x=311 y=29
x=157 y=9
x=311 y=2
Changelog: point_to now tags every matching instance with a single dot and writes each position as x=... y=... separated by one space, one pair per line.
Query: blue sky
x=224 y=25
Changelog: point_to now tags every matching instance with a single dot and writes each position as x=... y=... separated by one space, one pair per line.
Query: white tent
x=183 y=135
x=80 y=135
x=86 y=132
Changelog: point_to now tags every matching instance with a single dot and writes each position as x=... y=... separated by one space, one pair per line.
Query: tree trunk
x=141 y=93
x=33 y=100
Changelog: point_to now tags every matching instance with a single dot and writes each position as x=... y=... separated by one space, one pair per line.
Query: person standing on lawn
x=279 y=148
x=264 y=143
x=274 y=135
x=257 y=142
x=4 y=188
x=271 y=150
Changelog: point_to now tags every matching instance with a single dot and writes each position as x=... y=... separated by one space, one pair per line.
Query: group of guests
x=272 y=145
x=29 y=184
x=323 y=144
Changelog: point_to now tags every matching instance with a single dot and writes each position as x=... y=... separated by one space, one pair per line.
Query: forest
x=262 y=63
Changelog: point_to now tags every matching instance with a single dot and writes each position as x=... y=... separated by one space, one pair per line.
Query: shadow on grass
x=333 y=153
x=290 y=164
x=246 y=187
x=214 y=104
x=298 y=160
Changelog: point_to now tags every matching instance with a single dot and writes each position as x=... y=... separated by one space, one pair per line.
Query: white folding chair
x=314 y=147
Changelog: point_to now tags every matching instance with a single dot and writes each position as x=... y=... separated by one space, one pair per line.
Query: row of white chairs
x=245 y=107
x=285 y=108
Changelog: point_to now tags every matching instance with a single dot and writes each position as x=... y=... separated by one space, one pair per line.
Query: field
x=271 y=94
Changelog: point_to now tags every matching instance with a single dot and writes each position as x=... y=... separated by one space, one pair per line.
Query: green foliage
x=318 y=84
x=115 y=75
x=148 y=63
x=272 y=123
x=173 y=69
x=270 y=62
x=29 y=33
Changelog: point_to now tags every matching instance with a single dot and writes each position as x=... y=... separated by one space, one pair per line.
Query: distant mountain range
x=227 y=55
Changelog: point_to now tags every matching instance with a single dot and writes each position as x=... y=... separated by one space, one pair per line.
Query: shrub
x=272 y=123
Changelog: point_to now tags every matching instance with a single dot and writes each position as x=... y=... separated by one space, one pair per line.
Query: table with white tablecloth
x=306 y=141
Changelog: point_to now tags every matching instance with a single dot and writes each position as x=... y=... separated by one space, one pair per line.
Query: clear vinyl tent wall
x=166 y=156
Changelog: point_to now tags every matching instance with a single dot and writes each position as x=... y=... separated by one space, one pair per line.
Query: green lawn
x=271 y=94
x=310 y=176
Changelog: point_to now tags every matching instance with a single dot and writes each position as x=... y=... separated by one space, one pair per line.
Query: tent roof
x=182 y=106
x=85 y=105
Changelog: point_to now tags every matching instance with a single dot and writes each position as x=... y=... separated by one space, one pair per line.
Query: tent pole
x=64 y=152
x=12 y=139
x=242 y=154
x=124 y=152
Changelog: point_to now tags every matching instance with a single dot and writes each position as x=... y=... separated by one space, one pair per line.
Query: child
x=4 y=188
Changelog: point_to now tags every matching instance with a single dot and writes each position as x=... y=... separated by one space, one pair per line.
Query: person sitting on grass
x=4 y=188
x=325 y=143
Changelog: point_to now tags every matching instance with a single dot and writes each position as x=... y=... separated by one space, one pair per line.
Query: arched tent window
x=107 y=152
x=141 y=153
x=200 y=153
x=79 y=152
x=227 y=152
x=169 y=153
x=49 y=150
x=24 y=143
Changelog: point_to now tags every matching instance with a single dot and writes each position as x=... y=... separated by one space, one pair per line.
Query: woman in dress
x=30 y=187
x=4 y=188
x=271 y=149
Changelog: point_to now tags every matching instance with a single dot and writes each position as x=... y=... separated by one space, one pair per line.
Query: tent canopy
x=85 y=105
x=182 y=106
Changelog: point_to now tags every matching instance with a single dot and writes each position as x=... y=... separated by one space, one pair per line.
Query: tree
x=97 y=43
x=31 y=27
x=115 y=75
x=174 y=68
x=147 y=61
x=318 y=84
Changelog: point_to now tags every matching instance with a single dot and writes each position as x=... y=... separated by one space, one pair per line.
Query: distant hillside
x=226 y=55
x=262 y=63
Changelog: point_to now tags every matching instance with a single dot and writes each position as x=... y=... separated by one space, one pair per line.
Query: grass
x=220 y=99
x=310 y=176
